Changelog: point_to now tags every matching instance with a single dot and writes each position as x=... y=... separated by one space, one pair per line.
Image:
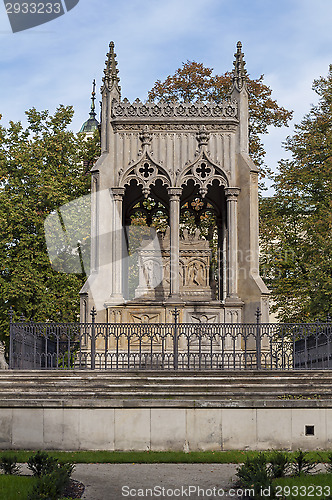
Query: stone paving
x=167 y=481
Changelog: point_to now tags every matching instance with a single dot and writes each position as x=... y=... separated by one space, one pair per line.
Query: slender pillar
x=174 y=210
x=117 y=242
x=95 y=224
x=232 y=251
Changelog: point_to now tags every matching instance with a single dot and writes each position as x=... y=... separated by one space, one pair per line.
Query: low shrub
x=8 y=464
x=279 y=464
x=41 y=464
x=53 y=477
x=45 y=488
x=328 y=465
x=51 y=486
x=302 y=465
x=254 y=474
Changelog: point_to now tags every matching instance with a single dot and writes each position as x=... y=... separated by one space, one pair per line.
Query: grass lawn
x=153 y=457
x=317 y=486
x=15 y=487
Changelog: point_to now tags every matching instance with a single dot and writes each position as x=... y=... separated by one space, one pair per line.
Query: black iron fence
x=179 y=346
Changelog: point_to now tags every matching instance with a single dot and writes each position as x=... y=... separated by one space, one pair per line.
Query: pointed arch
x=146 y=172
x=203 y=171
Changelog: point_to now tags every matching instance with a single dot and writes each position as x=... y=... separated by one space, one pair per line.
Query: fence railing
x=179 y=346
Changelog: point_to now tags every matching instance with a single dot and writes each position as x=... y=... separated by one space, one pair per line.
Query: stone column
x=174 y=218
x=95 y=210
x=232 y=250
x=117 y=242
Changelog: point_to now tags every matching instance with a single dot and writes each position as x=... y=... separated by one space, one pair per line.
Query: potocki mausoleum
x=168 y=163
x=174 y=237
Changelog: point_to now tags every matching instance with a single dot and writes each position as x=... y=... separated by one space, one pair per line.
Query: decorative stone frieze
x=163 y=128
x=197 y=109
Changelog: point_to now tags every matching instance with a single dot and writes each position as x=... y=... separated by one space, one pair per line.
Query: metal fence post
x=11 y=340
x=258 y=339
x=175 y=341
x=93 y=338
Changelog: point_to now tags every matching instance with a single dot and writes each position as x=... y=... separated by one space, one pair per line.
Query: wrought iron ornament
x=169 y=346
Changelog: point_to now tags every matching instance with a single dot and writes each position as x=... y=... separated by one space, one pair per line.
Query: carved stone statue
x=148 y=270
x=3 y=362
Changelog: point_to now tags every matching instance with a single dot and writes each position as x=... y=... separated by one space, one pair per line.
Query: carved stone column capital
x=232 y=193
x=118 y=193
x=174 y=193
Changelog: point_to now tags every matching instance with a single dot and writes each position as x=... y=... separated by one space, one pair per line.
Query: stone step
x=233 y=385
x=174 y=375
x=288 y=388
x=111 y=385
x=79 y=392
x=182 y=378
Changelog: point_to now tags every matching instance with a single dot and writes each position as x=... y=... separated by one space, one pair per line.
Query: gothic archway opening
x=202 y=218
x=206 y=216
x=146 y=216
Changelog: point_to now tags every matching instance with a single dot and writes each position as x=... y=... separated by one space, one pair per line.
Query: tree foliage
x=195 y=81
x=296 y=223
x=41 y=168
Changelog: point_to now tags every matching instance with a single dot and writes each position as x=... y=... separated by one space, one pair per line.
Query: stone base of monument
x=150 y=410
x=144 y=311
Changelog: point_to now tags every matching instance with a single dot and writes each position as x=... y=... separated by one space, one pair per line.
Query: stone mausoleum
x=182 y=168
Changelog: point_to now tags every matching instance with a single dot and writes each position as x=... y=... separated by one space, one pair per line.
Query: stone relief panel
x=145 y=318
x=204 y=318
x=151 y=317
x=196 y=274
x=195 y=256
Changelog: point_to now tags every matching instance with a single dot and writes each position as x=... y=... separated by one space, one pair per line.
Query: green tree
x=296 y=223
x=41 y=168
x=194 y=81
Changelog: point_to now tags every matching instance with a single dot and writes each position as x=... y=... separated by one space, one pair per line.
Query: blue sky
x=290 y=41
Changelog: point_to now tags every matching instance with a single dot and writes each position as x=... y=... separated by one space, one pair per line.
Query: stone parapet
x=169 y=110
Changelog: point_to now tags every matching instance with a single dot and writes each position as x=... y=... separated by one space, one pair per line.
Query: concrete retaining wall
x=186 y=429
x=205 y=411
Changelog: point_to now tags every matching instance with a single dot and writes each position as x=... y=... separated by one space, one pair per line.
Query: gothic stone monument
x=175 y=161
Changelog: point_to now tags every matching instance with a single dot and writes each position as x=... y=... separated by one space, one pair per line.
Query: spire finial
x=111 y=78
x=239 y=73
x=93 y=98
